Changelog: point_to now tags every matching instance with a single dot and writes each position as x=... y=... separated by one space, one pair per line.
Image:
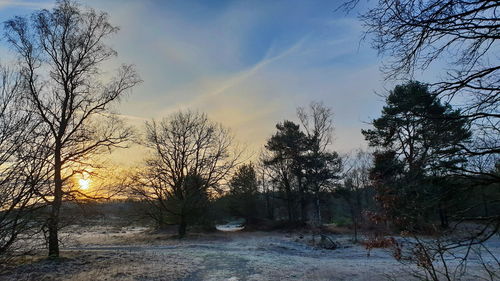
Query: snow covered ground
x=101 y=253
x=230 y=227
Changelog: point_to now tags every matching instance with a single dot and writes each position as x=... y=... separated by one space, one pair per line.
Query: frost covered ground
x=133 y=253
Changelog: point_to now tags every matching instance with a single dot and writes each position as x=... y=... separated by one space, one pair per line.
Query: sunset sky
x=248 y=64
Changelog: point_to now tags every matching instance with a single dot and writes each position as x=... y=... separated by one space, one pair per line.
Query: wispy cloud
x=248 y=64
x=244 y=75
x=26 y=4
x=248 y=67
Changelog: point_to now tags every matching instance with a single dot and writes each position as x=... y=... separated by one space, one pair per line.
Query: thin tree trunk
x=289 y=199
x=269 y=211
x=355 y=230
x=485 y=202
x=289 y=207
x=443 y=217
x=318 y=208
x=182 y=228
x=268 y=205
x=354 y=219
x=53 y=221
x=303 y=203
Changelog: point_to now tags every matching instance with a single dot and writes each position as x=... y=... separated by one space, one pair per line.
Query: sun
x=84 y=184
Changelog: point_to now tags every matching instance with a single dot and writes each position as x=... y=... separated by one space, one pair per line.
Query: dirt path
x=234 y=256
x=223 y=267
x=261 y=256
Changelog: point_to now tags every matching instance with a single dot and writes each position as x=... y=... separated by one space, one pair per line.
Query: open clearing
x=131 y=253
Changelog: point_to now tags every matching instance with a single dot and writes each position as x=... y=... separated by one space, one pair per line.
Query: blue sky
x=248 y=64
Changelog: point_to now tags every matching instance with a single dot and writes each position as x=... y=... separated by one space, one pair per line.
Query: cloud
x=206 y=63
x=237 y=79
x=5 y=4
x=248 y=64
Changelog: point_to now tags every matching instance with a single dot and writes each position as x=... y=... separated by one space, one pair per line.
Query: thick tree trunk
x=53 y=221
x=53 y=235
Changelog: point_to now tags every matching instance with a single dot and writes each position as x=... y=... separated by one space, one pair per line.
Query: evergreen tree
x=420 y=141
x=244 y=193
x=287 y=159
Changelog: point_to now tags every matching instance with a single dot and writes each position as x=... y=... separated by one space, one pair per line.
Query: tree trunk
x=269 y=207
x=303 y=202
x=355 y=222
x=53 y=221
x=359 y=206
x=443 y=217
x=182 y=228
x=289 y=207
x=267 y=194
x=485 y=202
x=289 y=198
x=318 y=208
x=354 y=219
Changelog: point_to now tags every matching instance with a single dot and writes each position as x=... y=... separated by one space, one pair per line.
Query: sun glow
x=84 y=184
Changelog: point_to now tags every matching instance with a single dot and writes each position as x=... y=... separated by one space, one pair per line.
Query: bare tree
x=323 y=165
x=317 y=121
x=22 y=164
x=445 y=258
x=356 y=185
x=61 y=52
x=192 y=157
x=266 y=186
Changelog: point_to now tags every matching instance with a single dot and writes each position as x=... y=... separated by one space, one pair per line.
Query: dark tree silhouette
x=420 y=142
x=424 y=133
x=60 y=53
x=243 y=193
x=424 y=138
x=191 y=157
x=286 y=158
x=357 y=186
x=322 y=165
x=266 y=178
x=462 y=34
x=23 y=169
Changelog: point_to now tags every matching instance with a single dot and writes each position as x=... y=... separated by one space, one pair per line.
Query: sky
x=247 y=64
